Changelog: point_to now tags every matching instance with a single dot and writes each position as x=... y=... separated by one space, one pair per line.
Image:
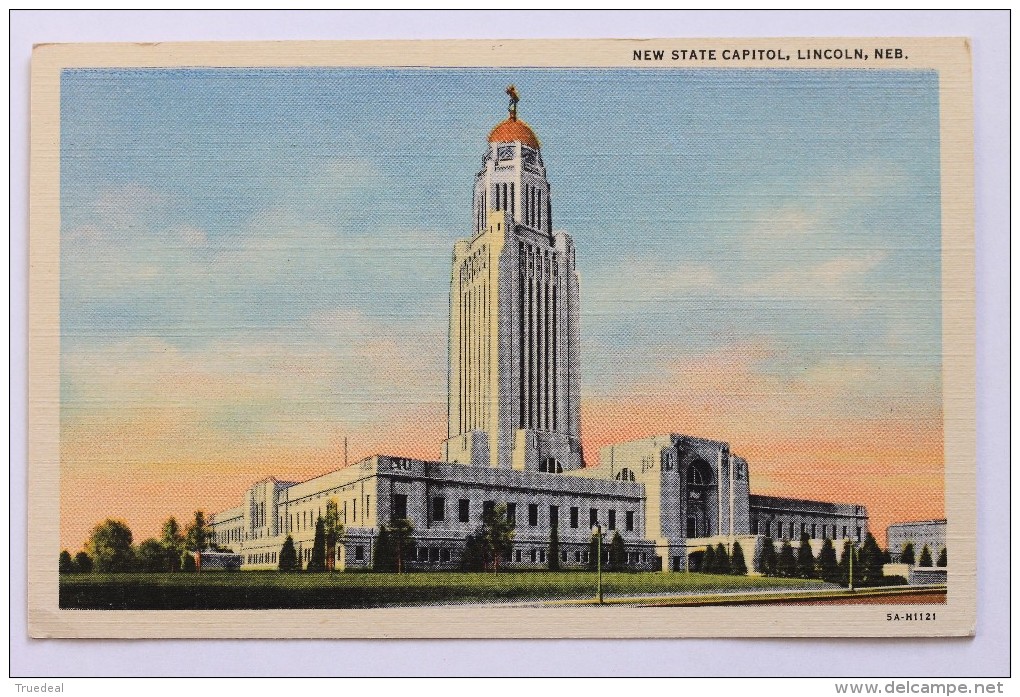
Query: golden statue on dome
x=514 y=98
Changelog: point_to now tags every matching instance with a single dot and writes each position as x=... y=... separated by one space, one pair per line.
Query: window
x=464 y=506
x=541 y=555
x=554 y=516
x=517 y=555
x=488 y=507
x=438 y=508
x=803 y=529
x=434 y=555
x=359 y=553
x=630 y=522
x=858 y=534
x=814 y=534
x=563 y=555
x=573 y=516
x=594 y=517
x=444 y=554
x=511 y=513
x=612 y=520
x=532 y=555
x=577 y=555
x=399 y=506
x=532 y=514
x=791 y=531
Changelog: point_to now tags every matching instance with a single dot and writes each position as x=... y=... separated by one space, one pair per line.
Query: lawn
x=243 y=590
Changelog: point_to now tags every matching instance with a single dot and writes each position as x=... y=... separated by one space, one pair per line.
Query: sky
x=255 y=266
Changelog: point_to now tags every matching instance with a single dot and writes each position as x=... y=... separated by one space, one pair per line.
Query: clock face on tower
x=505 y=152
x=529 y=158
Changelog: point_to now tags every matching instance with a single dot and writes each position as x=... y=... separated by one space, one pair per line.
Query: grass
x=244 y=590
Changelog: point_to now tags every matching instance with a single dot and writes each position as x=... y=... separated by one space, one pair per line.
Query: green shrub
x=288 y=556
x=805 y=558
x=786 y=567
x=828 y=567
x=767 y=558
x=738 y=567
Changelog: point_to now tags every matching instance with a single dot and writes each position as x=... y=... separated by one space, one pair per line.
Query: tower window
x=532 y=514
x=573 y=516
x=399 y=506
x=464 y=506
x=438 y=508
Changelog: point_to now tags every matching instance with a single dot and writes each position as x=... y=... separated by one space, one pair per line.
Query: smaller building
x=919 y=533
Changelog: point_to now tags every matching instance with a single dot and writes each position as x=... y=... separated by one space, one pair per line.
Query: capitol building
x=514 y=428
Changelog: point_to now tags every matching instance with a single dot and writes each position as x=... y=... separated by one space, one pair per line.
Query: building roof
x=512 y=130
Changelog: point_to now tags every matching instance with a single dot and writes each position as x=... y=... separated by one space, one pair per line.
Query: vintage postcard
x=654 y=338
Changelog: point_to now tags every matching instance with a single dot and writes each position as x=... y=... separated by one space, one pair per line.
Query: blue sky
x=284 y=237
x=666 y=170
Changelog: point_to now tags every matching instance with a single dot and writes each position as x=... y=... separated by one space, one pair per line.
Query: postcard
x=433 y=339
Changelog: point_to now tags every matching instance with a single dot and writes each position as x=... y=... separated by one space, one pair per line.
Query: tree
x=925 y=559
x=83 y=563
x=943 y=559
x=109 y=546
x=188 y=563
x=288 y=555
x=554 y=549
x=334 y=531
x=828 y=567
x=197 y=535
x=497 y=534
x=173 y=542
x=872 y=572
x=66 y=563
x=907 y=557
x=474 y=554
x=805 y=559
x=317 y=561
x=738 y=566
x=708 y=565
x=593 y=552
x=401 y=537
x=617 y=553
x=787 y=564
x=722 y=560
x=767 y=558
x=849 y=550
x=151 y=556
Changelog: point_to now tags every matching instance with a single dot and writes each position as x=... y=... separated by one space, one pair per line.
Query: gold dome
x=512 y=130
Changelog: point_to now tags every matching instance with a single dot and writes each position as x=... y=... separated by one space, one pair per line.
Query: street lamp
x=851 y=579
x=596 y=530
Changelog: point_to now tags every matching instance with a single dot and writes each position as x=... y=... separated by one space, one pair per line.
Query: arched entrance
x=698 y=482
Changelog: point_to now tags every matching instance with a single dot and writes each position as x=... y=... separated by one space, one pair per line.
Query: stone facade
x=788 y=519
x=930 y=533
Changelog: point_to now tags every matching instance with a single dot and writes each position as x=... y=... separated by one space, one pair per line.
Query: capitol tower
x=514 y=375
